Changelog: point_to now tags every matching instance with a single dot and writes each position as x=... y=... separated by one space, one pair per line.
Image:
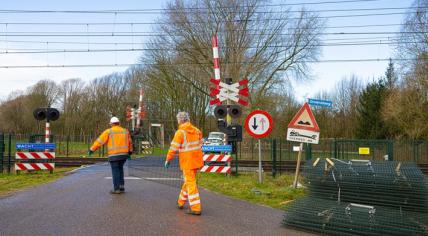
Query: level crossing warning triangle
x=304 y=119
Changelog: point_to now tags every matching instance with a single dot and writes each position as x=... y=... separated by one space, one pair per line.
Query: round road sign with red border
x=259 y=124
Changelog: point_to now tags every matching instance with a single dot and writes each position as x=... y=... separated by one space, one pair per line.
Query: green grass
x=273 y=192
x=10 y=183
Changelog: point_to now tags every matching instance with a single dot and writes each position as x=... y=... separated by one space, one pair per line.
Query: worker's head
x=182 y=117
x=114 y=121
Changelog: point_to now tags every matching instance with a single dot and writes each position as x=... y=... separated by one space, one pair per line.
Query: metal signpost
x=259 y=124
x=303 y=128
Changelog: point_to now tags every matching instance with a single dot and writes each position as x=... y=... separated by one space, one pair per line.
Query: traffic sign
x=259 y=124
x=222 y=92
x=319 y=102
x=304 y=119
x=35 y=146
x=303 y=136
x=217 y=148
x=303 y=127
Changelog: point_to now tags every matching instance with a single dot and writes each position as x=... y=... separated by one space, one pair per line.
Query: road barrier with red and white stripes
x=226 y=169
x=34 y=155
x=34 y=160
x=34 y=166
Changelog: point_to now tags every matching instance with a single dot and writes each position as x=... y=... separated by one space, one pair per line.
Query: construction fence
x=275 y=150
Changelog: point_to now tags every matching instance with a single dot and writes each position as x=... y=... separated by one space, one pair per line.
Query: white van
x=216 y=138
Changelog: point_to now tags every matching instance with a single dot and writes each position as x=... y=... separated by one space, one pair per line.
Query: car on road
x=216 y=138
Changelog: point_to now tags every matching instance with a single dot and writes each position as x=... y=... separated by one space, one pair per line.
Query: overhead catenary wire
x=219 y=21
x=133 y=11
x=190 y=10
x=207 y=64
x=119 y=34
x=353 y=40
x=42 y=51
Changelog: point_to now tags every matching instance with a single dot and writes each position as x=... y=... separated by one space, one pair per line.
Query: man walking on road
x=188 y=142
x=119 y=148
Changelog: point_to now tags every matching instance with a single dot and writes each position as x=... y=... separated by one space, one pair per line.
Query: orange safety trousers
x=189 y=191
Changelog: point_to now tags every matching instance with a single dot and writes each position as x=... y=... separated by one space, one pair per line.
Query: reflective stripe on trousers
x=189 y=191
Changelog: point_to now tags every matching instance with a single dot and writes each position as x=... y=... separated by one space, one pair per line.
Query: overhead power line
x=179 y=64
x=350 y=40
x=43 y=51
x=191 y=10
x=135 y=11
x=129 y=34
x=199 y=22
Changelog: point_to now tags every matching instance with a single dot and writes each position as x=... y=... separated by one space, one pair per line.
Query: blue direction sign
x=35 y=146
x=319 y=102
x=216 y=148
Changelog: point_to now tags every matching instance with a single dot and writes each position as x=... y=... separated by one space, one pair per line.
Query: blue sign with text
x=35 y=146
x=216 y=148
x=320 y=103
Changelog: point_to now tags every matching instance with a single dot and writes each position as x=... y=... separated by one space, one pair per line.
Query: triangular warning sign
x=304 y=119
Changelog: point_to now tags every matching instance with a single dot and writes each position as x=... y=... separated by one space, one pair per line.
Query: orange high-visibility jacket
x=118 y=141
x=188 y=142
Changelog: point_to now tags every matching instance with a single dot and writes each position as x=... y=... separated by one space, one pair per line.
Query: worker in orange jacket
x=119 y=148
x=188 y=143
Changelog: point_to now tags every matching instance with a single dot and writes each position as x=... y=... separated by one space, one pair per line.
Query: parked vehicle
x=216 y=138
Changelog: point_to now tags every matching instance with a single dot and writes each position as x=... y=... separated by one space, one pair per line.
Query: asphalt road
x=79 y=204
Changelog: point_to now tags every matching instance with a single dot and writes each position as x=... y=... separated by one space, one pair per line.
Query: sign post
x=259 y=124
x=303 y=128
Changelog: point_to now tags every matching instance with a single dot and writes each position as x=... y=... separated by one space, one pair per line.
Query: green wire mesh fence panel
x=362 y=198
x=2 y=149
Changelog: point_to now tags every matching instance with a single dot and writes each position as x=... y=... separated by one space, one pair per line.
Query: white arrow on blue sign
x=35 y=146
x=216 y=148
x=320 y=103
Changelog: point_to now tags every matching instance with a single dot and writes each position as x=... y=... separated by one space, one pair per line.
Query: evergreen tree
x=390 y=76
x=370 y=124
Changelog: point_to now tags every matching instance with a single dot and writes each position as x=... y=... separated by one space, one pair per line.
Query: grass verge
x=10 y=183
x=273 y=192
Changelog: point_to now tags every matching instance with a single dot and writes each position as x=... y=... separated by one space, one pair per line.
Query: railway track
x=282 y=166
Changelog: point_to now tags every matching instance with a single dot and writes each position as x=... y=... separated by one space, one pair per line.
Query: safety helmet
x=114 y=120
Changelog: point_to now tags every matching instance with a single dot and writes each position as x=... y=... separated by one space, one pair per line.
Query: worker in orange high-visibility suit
x=119 y=148
x=188 y=142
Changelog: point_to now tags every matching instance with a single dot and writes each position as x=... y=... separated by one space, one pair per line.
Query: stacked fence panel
x=362 y=198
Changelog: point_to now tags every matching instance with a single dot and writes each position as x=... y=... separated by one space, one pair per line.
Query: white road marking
x=130 y=177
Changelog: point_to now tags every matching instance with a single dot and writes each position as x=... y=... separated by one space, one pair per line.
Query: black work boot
x=115 y=191
x=122 y=188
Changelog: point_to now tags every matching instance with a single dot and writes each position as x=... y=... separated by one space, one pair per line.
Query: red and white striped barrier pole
x=216 y=58
x=47 y=132
x=140 y=108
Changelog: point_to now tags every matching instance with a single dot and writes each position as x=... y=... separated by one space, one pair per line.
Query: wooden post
x=299 y=158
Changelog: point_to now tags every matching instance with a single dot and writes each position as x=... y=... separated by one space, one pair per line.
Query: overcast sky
x=325 y=74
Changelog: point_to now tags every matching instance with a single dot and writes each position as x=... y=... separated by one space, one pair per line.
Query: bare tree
x=267 y=46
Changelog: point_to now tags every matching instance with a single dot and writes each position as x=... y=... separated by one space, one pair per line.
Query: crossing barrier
x=34 y=166
x=225 y=169
x=34 y=155
x=35 y=160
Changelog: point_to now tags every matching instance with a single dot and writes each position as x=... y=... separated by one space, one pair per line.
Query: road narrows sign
x=259 y=124
x=303 y=127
